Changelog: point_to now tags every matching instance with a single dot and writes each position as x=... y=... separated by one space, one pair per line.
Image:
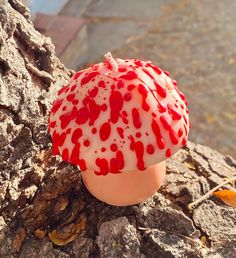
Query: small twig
x=195 y=241
x=204 y=197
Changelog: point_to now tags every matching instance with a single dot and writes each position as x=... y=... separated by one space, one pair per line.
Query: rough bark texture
x=40 y=193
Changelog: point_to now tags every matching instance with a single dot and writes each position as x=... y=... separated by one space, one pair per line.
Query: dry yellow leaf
x=55 y=238
x=190 y=165
x=227 y=196
x=61 y=239
x=203 y=240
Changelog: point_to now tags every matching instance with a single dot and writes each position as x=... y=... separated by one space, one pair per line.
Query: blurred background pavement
x=194 y=40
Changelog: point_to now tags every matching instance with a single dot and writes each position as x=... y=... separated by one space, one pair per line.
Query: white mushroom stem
x=204 y=197
x=112 y=61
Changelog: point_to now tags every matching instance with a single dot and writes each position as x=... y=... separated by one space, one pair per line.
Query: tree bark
x=39 y=193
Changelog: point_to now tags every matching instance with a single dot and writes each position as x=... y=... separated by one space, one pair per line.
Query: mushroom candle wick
x=118 y=121
x=113 y=63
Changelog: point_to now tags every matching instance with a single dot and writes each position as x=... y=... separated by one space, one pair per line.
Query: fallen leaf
x=55 y=238
x=227 y=196
x=20 y=236
x=190 y=165
x=203 y=240
x=63 y=238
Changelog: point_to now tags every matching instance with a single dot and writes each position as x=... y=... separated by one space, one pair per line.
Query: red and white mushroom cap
x=119 y=115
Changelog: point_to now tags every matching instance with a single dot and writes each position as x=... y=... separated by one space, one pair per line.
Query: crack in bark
x=18 y=121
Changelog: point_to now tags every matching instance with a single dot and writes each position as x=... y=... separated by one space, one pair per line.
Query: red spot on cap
x=82 y=116
x=65 y=154
x=86 y=143
x=116 y=104
x=94 y=111
x=105 y=131
x=125 y=120
x=68 y=131
x=180 y=94
x=70 y=97
x=73 y=87
x=160 y=90
x=173 y=137
x=75 y=102
x=52 y=124
x=113 y=147
x=144 y=92
x=157 y=133
x=174 y=114
x=161 y=108
x=103 y=166
x=94 y=130
x=77 y=75
x=148 y=73
x=122 y=69
x=120 y=131
x=139 y=151
x=57 y=140
x=76 y=135
x=74 y=158
x=184 y=141
x=136 y=118
x=130 y=75
x=120 y=84
x=180 y=132
x=101 y=84
x=185 y=120
x=168 y=153
x=82 y=165
x=139 y=63
x=128 y=96
x=108 y=64
x=131 y=87
x=167 y=73
x=87 y=78
x=156 y=69
x=56 y=105
x=86 y=100
x=124 y=113
x=93 y=93
x=62 y=90
x=150 y=149
x=104 y=107
x=117 y=163
x=66 y=118
x=165 y=122
x=174 y=82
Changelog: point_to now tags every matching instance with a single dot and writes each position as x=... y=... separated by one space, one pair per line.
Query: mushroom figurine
x=119 y=121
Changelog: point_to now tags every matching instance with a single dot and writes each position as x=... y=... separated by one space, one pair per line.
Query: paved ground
x=194 y=40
